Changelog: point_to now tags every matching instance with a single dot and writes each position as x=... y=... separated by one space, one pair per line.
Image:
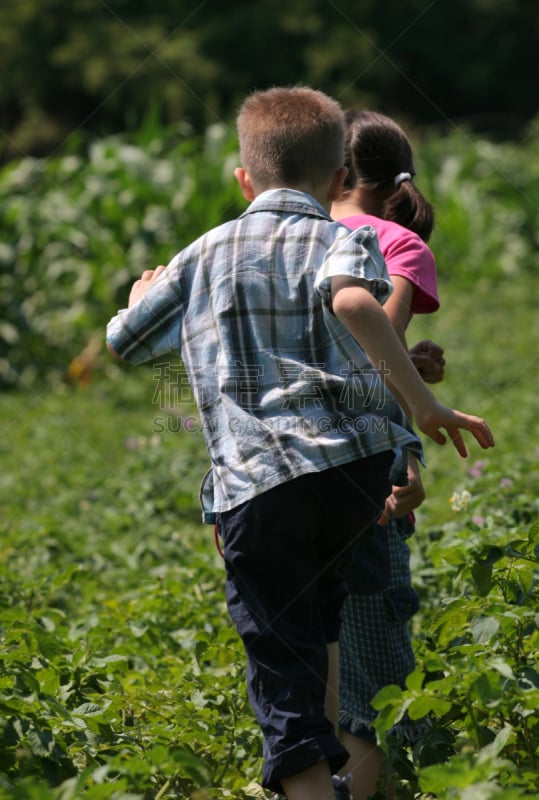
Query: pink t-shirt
x=407 y=255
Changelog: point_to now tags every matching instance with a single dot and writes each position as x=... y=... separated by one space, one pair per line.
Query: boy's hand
x=141 y=286
x=428 y=359
x=453 y=421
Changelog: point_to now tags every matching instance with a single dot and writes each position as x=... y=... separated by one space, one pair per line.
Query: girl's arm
x=399 y=304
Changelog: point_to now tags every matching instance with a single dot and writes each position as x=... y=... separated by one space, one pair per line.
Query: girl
x=375 y=646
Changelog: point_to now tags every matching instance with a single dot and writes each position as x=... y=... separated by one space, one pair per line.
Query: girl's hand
x=402 y=500
x=428 y=359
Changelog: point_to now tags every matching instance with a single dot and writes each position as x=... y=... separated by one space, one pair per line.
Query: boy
x=301 y=432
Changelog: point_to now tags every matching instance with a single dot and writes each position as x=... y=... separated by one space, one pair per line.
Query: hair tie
x=401 y=178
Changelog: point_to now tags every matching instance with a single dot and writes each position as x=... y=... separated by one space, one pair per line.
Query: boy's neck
x=323 y=192
x=319 y=194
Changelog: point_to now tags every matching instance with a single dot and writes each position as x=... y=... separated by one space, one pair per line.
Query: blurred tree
x=95 y=66
x=476 y=59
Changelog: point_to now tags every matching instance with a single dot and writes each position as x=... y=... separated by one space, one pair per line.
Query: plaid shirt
x=282 y=388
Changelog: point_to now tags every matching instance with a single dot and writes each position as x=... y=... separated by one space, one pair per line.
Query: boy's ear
x=336 y=185
x=245 y=183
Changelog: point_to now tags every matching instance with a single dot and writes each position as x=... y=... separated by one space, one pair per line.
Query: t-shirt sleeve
x=356 y=254
x=152 y=326
x=409 y=257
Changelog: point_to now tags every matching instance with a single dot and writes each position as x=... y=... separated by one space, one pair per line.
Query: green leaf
x=255 y=790
x=91 y=709
x=388 y=695
x=482 y=575
x=502 y=667
x=414 y=681
x=495 y=748
x=484 y=629
x=533 y=533
x=528 y=678
x=427 y=704
x=42 y=743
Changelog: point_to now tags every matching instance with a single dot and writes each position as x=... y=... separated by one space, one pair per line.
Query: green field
x=120 y=674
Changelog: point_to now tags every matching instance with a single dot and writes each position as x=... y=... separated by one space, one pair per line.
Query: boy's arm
x=367 y=321
x=140 y=287
x=140 y=345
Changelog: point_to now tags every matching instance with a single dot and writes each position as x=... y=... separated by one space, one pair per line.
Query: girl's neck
x=357 y=201
x=342 y=209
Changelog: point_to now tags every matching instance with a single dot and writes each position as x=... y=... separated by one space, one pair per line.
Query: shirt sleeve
x=356 y=254
x=409 y=257
x=152 y=326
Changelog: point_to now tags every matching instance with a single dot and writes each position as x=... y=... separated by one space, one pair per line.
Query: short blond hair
x=290 y=135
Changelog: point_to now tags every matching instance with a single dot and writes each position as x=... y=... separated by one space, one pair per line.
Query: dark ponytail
x=379 y=156
x=409 y=208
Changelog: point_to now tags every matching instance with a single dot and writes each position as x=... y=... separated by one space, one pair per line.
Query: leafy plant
x=120 y=673
x=76 y=232
x=476 y=685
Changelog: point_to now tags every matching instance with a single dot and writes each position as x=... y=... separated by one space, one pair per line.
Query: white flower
x=460 y=500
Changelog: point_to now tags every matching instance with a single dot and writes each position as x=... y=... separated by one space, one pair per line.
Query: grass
x=490 y=337
x=104 y=556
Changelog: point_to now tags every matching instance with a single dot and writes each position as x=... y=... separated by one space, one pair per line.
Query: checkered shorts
x=375 y=645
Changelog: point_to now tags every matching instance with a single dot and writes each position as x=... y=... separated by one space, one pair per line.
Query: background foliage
x=70 y=72
x=75 y=231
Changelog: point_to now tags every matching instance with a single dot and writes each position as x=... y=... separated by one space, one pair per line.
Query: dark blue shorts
x=285 y=551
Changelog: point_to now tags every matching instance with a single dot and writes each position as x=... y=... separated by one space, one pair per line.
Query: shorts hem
x=299 y=758
x=364 y=729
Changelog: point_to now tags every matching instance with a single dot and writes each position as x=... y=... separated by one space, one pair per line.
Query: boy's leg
x=274 y=595
x=283 y=552
x=312 y=784
x=332 y=687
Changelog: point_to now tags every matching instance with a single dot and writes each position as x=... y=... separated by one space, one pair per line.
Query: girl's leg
x=365 y=766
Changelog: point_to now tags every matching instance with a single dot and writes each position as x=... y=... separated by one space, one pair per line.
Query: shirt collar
x=290 y=201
